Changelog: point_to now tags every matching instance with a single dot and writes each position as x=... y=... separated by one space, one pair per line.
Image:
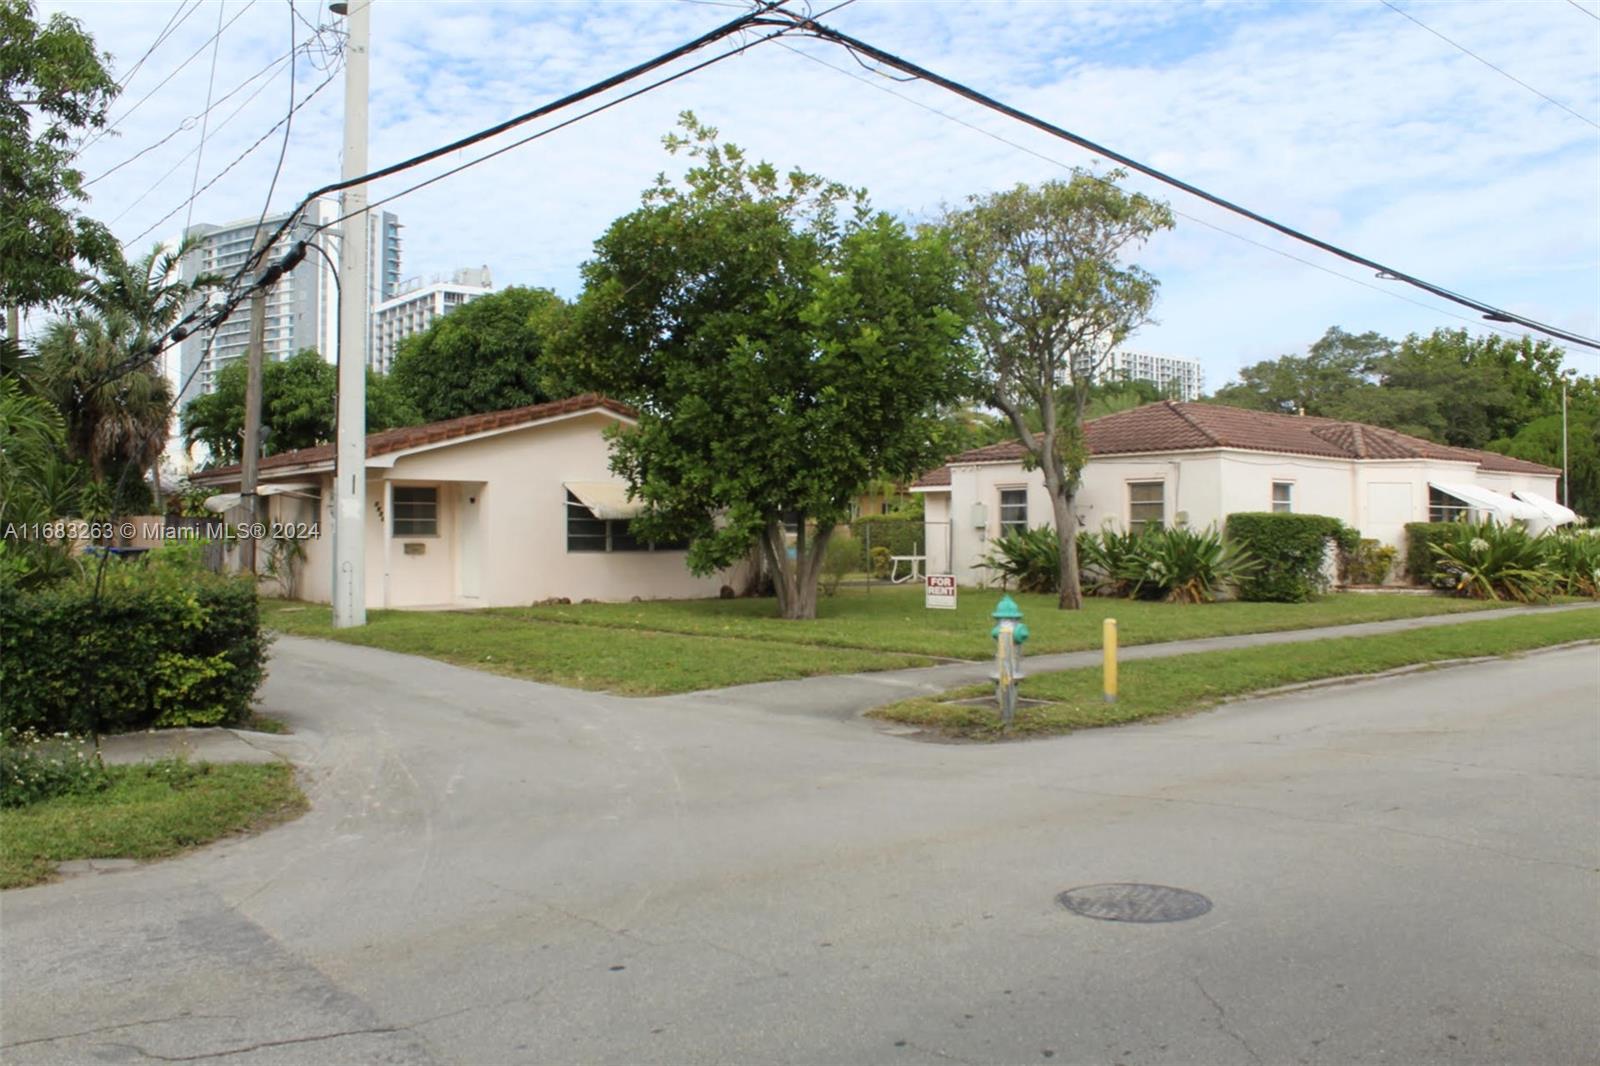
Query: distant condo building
x=1177 y=378
x=302 y=311
x=415 y=305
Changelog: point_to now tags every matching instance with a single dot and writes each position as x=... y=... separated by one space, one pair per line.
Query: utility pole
x=250 y=458
x=1566 y=476
x=350 y=455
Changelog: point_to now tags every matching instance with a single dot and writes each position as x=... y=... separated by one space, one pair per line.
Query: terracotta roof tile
x=1171 y=426
x=406 y=437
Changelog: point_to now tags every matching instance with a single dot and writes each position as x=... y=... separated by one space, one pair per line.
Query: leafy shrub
x=166 y=644
x=1289 y=550
x=1106 y=562
x=1421 y=537
x=34 y=768
x=1030 y=557
x=900 y=533
x=1182 y=566
x=839 y=558
x=1369 y=563
x=1491 y=562
x=1575 y=558
x=881 y=562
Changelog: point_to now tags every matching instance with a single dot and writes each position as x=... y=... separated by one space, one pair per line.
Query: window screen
x=1013 y=511
x=1283 y=496
x=416 y=511
x=1147 y=505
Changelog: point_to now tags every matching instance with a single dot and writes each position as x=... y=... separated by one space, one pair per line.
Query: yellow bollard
x=1109 y=640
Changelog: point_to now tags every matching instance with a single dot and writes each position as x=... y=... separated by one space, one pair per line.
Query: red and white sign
x=939 y=591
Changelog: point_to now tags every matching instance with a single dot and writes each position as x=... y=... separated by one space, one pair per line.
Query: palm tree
x=116 y=404
x=112 y=415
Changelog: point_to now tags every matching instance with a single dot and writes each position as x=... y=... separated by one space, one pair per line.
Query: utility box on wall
x=980 y=516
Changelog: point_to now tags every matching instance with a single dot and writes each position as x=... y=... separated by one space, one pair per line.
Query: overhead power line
x=1494 y=314
x=207 y=316
x=189 y=123
x=107 y=130
x=408 y=190
x=1196 y=219
x=1585 y=10
x=205 y=116
x=1498 y=70
x=236 y=161
x=166 y=31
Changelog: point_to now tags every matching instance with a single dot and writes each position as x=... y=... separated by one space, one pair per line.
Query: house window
x=1147 y=505
x=1013 y=511
x=1443 y=507
x=416 y=511
x=586 y=533
x=1283 y=497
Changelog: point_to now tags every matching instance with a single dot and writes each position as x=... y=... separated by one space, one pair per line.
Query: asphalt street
x=495 y=871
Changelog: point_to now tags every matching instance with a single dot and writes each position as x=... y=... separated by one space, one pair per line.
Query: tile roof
x=1171 y=426
x=407 y=437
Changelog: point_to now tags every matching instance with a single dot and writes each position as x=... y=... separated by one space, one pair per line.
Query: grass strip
x=146 y=811
x=580 y=656
x=1181 y=684
x=894 y=619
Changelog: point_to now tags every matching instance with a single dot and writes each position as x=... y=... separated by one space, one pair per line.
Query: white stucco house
x=491 y=510
x=1194 y=464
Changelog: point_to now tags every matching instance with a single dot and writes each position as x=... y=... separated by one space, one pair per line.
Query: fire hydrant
x=1010 y=632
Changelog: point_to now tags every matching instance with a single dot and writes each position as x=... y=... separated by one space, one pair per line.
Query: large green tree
x=487 y=355
x=784 y=346
x=297 y=407
x=54 y=87
x=1317 y=383
x=1045 y=268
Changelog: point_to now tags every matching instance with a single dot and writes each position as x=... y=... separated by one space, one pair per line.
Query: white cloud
x=1346 y=120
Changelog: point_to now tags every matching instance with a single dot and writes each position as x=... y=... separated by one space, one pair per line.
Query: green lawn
x=1181 y=684
x=893 y=619
x=581 y=656
x=146 y=811
x=666 y=646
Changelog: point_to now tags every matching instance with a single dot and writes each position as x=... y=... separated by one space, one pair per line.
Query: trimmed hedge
x=163 y=647
x=1422 y=562
x=1288 y=549
x=900 y=534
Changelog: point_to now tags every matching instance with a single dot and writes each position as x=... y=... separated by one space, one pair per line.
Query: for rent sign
x=939 y=590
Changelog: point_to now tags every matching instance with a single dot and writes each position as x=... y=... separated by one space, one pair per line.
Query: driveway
x=498 y=871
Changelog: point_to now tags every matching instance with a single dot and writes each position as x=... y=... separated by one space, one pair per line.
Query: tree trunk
x=795 y=580
x=1067 y=537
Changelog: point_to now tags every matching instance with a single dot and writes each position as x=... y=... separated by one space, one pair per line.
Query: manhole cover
x=1134 y=903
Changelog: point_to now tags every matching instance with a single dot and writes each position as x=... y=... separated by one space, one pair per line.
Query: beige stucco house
x=1194 y=464
x=490 y=510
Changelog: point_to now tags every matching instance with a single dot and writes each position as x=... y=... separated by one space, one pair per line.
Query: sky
x=1347 y=120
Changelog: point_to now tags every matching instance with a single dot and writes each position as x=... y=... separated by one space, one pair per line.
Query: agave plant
x=1182 y=566
x=1575 y=558
x=1491 y=562
x=1030 y=557
x=1107 y=560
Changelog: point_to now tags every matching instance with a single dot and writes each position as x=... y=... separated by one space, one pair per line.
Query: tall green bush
x=1289 y=550
x=163 y=645
x=900 y=533
x=1421 y=538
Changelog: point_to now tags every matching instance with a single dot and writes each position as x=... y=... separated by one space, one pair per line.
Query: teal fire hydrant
x=1010 y=632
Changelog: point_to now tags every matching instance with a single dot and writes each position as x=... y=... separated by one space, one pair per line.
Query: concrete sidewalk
x=196 y=745
x=845 y=696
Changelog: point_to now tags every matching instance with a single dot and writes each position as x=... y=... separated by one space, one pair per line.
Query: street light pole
x=350 y=454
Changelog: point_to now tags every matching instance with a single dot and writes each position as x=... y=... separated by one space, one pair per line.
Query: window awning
x=227 y=501
x=605 y=499
x=1554 y=513
x=1498 y=505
